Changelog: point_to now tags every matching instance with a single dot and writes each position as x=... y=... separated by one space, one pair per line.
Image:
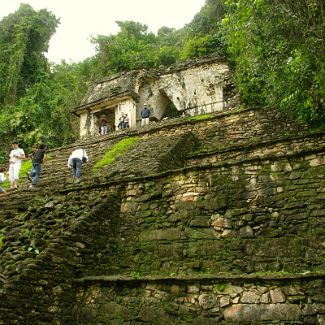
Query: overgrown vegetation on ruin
x=118 y=150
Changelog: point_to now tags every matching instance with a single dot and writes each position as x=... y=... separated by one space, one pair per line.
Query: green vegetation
x=277 y=48
x=199 y=117
x=27 y=232
x=1 y=241
x=26 y=166
x=135 y=274
x=221 y=287
x=118 y=150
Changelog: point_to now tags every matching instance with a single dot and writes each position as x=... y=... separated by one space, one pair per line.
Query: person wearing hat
x=145 y=114
x=15 y=157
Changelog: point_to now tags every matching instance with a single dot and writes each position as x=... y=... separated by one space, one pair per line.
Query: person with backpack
x=38 y=157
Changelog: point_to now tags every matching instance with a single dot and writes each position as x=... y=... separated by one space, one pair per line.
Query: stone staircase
x=202 y=220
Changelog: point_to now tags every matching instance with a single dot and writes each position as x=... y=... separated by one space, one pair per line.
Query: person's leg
x=78 y=167
x=11 y=176
x=74 y=167
x=16 y=169
x=102 y=130
x=36 y=174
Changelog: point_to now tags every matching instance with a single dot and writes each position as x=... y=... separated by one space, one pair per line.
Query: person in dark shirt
x=38 y=157
x=145 y=114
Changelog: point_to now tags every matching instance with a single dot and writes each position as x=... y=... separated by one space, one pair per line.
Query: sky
x=82 y=19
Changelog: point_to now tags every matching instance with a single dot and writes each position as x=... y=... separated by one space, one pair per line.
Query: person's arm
x=22 y=155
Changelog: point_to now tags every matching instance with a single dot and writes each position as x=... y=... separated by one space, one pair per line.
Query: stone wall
x=225 y=225
x=200 y=301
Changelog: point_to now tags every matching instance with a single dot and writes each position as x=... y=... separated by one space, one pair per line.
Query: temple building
x=190 y=88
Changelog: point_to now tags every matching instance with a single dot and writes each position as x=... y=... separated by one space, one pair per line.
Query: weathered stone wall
x=200 y=301
x=198 y=89
x=225 y=225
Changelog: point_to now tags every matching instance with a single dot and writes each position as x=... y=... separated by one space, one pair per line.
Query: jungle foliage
x=276 y=49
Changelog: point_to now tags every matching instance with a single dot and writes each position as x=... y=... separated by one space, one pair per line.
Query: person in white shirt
x=75 y=161
x=15 y=157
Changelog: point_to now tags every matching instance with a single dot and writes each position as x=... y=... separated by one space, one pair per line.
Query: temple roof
x=126 y=84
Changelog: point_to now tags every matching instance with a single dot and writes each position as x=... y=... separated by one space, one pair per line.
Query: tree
x=24 y=37
x=133 y=48
x=278 y=51
x=202 y=35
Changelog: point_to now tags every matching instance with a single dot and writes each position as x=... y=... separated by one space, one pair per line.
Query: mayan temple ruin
x=213 y=216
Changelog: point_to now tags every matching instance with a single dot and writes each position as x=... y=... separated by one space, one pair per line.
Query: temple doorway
x=110 y=114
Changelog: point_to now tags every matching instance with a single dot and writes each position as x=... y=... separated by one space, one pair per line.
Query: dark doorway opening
x=110 y=113
x=171 y=111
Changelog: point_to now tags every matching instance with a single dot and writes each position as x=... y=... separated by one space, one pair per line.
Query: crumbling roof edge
x=128 y=93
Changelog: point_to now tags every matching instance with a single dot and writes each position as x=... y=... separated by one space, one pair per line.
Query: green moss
x=1 y=241
x=219 y=288
x=199 y=117
x=135 y=274
x=118 y=150
x=27 y=232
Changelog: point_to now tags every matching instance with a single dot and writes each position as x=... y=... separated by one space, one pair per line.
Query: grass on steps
x=201 y=117
x=118 y=150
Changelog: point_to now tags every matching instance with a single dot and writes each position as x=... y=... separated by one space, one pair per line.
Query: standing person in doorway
x=103 y=124
x=38 y=158
x=145 y=114
x=121 y=122
x=75 y=161
x=15 y=157
x=126 y=122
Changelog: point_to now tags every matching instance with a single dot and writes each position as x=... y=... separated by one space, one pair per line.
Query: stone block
x=256 y=312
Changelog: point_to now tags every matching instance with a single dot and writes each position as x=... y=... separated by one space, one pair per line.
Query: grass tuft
x=199 y=117
x=118 y=150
